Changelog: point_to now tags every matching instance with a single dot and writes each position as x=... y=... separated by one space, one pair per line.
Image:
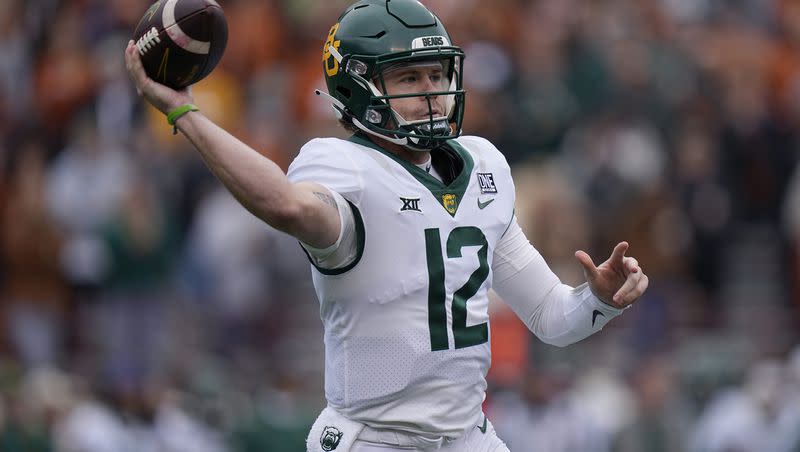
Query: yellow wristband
x=176 y=113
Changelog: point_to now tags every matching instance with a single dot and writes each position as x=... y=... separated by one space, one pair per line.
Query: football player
x=407 y=225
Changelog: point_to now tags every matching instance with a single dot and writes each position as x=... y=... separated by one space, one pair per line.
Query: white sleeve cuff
x=344 y=251
x=556 y=313
x=595 y=302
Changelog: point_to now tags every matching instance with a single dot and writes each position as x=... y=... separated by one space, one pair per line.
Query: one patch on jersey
x=486 y=182
x=410 y=204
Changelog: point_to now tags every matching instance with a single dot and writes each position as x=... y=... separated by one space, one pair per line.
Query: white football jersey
x=406 y=324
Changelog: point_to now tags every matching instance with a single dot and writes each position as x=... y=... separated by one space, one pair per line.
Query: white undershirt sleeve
x=556 y=313
x=344 y=251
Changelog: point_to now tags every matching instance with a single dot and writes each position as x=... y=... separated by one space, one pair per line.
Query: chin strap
x=401 y=141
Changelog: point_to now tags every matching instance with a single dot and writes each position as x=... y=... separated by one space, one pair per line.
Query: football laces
x=148 y=40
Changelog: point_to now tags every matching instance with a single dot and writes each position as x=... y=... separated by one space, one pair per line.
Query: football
x=181 y=41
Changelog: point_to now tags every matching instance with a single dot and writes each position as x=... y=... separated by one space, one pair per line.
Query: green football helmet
x=370 y=39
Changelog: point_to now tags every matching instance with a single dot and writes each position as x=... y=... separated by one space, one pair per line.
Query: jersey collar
x=448 y=195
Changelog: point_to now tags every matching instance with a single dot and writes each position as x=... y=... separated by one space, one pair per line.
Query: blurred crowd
x=142 y=309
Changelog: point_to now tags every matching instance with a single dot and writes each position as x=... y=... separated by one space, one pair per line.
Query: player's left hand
x=619 y=281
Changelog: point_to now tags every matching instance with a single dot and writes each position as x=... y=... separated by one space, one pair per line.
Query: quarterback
x=407 y=224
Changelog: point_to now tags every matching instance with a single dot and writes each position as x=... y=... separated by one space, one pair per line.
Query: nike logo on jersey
x=595 y=313
x=482 y=205
x=482 y=428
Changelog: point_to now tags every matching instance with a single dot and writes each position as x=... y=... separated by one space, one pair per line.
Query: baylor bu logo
x=331 y=64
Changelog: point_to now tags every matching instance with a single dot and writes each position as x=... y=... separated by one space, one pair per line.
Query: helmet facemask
x=432 y=117
x=436 y=120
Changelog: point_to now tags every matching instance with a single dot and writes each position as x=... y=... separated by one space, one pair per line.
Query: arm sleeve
x=556 y=313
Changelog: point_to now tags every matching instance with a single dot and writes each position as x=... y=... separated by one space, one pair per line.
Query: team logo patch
x=486 y=182
x=450 y=203
x=330 y=438
x=331 y=64
x=410 y=204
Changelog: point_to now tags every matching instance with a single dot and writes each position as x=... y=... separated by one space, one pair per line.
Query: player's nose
x=430 y=85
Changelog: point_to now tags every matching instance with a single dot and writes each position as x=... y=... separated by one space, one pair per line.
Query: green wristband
x=173 y=115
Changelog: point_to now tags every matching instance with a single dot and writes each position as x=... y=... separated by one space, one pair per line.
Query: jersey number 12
x=463 y=335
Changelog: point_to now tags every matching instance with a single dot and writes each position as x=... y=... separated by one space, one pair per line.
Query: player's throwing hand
x=160 y=96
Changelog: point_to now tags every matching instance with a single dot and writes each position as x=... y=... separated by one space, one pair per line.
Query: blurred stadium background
x=141 y=309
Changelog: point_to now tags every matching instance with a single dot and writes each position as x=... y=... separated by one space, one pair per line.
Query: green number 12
x=464 y=336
